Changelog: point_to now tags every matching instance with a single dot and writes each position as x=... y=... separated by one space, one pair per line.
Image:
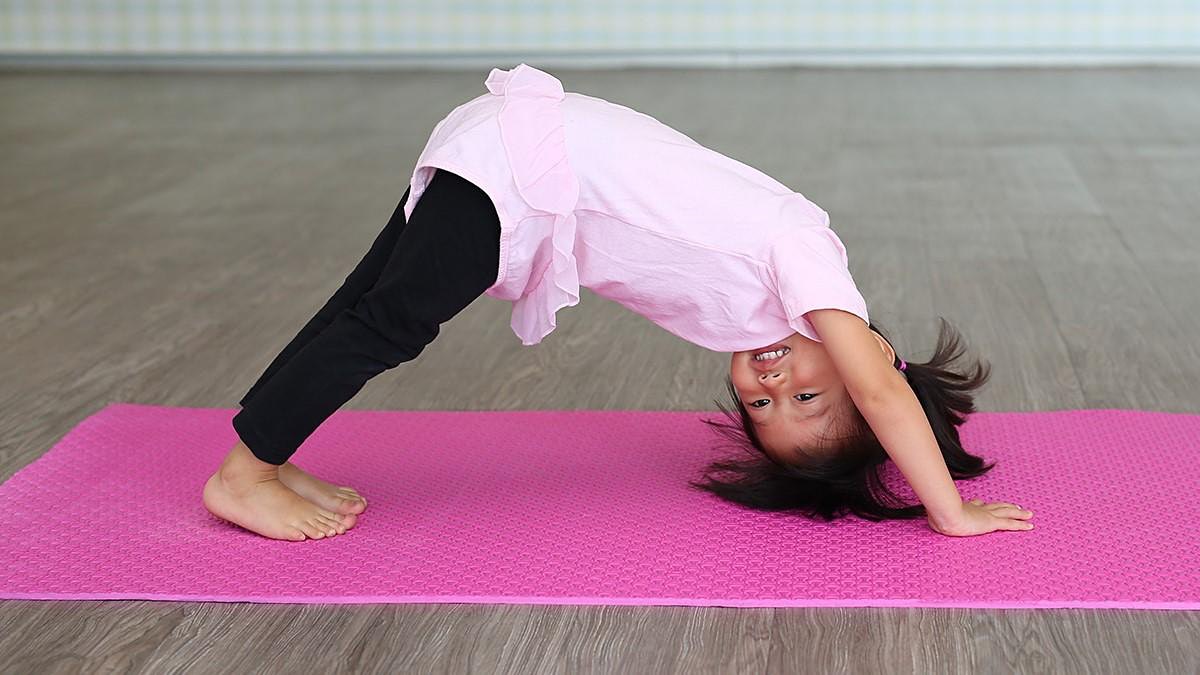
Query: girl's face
x=793 y=398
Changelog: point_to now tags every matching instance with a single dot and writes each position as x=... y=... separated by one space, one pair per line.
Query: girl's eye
x=765 y=401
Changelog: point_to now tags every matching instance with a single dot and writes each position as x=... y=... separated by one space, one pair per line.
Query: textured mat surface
x=593 y=507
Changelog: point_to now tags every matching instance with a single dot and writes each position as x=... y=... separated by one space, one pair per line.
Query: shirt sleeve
x=811 y=271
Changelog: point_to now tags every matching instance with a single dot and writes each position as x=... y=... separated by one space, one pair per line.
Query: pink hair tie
x=903 y=365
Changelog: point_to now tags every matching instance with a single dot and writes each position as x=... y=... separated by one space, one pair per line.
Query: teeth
x=764 y=356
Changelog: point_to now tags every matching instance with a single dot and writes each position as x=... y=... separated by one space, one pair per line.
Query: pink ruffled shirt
x=594 y=194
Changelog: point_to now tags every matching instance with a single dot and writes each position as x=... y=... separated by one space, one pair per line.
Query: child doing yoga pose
x=527 y=193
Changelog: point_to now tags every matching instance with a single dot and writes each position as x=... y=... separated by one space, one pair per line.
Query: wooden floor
x=165 y=233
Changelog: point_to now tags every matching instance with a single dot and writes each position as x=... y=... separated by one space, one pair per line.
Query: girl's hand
x=980 y=518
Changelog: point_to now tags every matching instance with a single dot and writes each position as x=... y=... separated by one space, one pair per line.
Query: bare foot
x=247 y=492
x=340 y=499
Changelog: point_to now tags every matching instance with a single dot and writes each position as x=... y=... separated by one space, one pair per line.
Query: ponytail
x=946 y=395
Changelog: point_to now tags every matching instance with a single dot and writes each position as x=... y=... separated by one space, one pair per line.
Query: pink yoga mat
x=593 y=507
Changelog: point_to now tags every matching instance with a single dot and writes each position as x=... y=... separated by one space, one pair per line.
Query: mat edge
x=1182 y=605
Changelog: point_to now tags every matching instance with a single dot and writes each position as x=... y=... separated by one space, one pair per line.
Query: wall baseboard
x=705 y=59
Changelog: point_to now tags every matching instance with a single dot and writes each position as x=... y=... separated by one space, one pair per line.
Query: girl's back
x=685 y=235
x=634 y=167
x=595 y=194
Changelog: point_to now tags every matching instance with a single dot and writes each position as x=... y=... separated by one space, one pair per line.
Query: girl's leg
x=359 y=281
x=446 y=257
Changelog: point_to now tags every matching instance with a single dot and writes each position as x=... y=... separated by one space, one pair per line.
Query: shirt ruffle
x=534 y=139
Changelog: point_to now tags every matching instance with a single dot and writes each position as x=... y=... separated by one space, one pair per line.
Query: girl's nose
x=770 y=377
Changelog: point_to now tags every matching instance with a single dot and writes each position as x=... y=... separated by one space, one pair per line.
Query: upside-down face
x=793 y=393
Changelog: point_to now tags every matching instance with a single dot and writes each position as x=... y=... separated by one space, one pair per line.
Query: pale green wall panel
x=532 y=26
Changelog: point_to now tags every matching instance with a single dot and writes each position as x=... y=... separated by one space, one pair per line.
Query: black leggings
x=416 y=276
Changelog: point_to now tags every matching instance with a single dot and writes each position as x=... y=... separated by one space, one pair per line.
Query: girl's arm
x=893 y=411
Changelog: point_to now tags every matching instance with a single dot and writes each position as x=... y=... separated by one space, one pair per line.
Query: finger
x=1004 y=510
x=1010 y=524
x=1008 y=510
x=1014 y=515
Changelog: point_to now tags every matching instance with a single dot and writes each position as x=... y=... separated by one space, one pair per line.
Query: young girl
x=527 y=193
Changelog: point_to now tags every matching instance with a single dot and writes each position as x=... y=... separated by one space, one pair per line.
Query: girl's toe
x=338 y=526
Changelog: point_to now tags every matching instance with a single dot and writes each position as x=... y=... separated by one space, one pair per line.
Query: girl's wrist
x=944 y=520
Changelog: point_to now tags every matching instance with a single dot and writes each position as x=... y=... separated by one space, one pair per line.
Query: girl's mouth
x=768 y=357
x=771 y=354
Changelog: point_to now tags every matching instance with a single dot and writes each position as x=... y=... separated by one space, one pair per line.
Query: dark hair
x=846 y=477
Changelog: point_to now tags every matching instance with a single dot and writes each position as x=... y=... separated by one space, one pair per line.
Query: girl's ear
x=854 y=350
x=884 y=341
